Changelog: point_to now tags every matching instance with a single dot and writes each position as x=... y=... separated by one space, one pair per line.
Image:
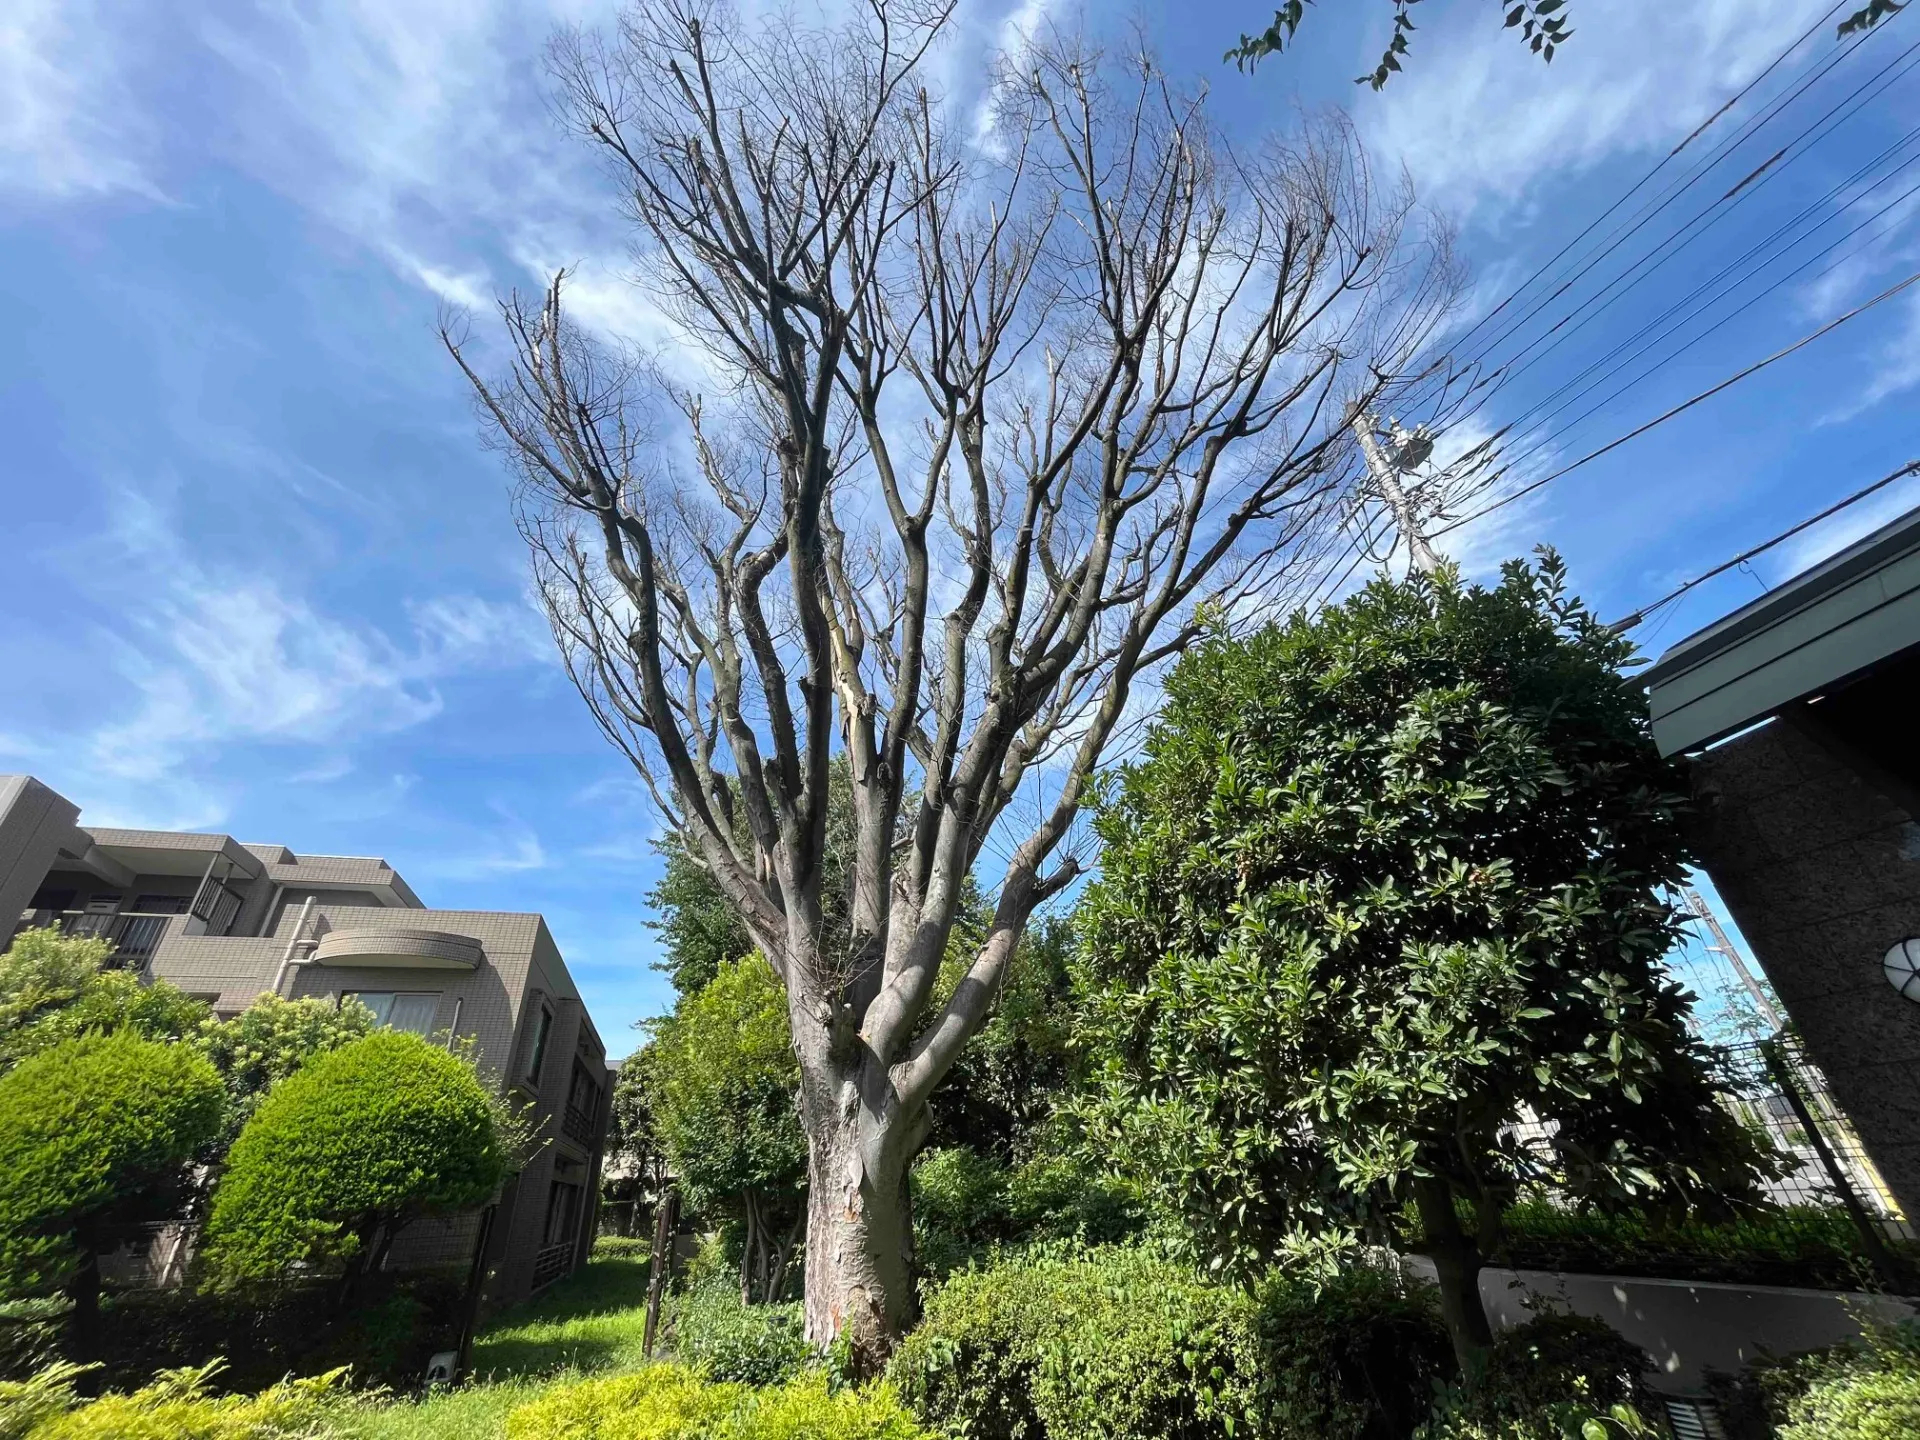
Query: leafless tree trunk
x=972 y=428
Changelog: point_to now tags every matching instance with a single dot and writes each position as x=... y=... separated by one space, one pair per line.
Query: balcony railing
x=576 y=1123
x=551 y=1263
x=133 y=934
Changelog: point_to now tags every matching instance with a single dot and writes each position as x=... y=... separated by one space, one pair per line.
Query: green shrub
x=48 y=1392
x=724 y=1340
x=960 y=1207
x=53 y=987
x=353 y=1146
x=669 y=1402
x=177 y=1407
x=966 y=1203
x=1357 y=1357
x=622 y=1247
x=1800 y=1245
x=271 y=1039
x=89 y=1130
x=1869 y=1390
x=1115 y=1343
x=1118 y=1344
x=1547 y=1379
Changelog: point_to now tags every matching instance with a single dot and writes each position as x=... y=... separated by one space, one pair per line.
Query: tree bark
x=1456 y=1262
x=859 y=1260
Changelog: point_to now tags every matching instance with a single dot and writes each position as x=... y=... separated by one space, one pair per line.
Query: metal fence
x=1779 y=1089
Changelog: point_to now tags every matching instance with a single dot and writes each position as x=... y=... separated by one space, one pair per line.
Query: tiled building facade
x=228 y=922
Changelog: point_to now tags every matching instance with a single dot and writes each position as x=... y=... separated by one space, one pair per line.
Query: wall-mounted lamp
x=1903 y=968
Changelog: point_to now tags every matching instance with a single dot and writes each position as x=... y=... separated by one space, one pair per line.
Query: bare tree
x=990 y=420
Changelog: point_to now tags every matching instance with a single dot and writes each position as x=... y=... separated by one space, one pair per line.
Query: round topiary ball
x=354 y=1145
x=88 y=1129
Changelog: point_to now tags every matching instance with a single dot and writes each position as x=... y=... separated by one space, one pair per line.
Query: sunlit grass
x=590 y=1323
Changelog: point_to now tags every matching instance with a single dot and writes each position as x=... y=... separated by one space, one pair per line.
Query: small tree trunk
x=84 y=1290
x=859 y=1261
x=1456 y=1262
x=666 y=1219
x=746 y=1250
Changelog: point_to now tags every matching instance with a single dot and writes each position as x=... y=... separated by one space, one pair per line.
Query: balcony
x=551 y=1263
x=576 y=1123
x=134 y=935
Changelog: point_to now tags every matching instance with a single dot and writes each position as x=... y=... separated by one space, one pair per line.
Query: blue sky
x=261 y=576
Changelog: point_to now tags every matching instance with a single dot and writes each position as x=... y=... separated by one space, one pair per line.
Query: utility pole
x=1723 y=947
x=1386 y=472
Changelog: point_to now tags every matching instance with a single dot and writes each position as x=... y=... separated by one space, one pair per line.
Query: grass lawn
x=589 y=1323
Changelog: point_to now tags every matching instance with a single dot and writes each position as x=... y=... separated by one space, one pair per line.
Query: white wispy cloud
x=1478 y=122
x=211 y=659
x=68 y=128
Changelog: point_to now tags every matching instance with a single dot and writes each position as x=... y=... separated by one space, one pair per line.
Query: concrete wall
x=1690 y=1327
x=33 y=822
x=1823 y=874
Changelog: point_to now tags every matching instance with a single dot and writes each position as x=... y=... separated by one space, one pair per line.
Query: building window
x=537 y=1044
x=160 y=904
x=563 y=1213
x=410 y=1012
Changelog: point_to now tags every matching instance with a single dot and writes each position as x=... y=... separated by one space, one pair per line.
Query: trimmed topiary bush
x=622 y=1247
x=669 y=1402
x=1114 y=1343
x=348 y=1150
x=1119 y=1344
x=54 y=987
x=92 y=1132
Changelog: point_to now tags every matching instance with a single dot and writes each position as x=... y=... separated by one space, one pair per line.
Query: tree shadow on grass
x=594 y=1320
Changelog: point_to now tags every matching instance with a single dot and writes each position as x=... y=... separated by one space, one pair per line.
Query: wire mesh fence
x=1779 y=1089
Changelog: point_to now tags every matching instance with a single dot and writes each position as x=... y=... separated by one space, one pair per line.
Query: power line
x=1621 y=235
x=1682 y=349
x=1912 y=467
x=1574 y=385
x=1648 y=264
x=1684 y=406
x=1665 y=160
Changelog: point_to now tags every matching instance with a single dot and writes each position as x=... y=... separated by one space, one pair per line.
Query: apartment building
x=228 y=922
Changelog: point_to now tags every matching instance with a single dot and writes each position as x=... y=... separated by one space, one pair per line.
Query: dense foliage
x=1559 y=1376
x=178 y=1405
x=1388 y=882
x=965 y=1204
x=55 y=987
x=1123 y=1345
x=721 y=1081
x=1801 y=1246
x=666 y=1402
x=350 y=1148
x=721 y=1338
x=272 y=1038
x=1868 y=1390
x=93 y=1132
x=1002 y=1093
x=1871 y=1392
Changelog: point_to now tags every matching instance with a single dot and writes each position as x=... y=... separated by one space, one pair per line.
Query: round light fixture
x=1903 y=968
